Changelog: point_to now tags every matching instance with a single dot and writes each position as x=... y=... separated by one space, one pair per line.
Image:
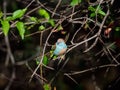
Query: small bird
x=59 y=51
x=60 y=47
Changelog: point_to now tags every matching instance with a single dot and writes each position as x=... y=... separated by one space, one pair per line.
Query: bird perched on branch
x=60 y=47
x=59 y=51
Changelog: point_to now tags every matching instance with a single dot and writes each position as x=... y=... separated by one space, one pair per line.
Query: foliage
x=47 y=87
x=1 y=14
x=45 y=60
x=18 y=13
x=75 y=2
x=117 y=32
x=21 y=29
x=117 y=29
x=60 y=28
x=41 y=27
x=20 y=25
x=44 y=13
x=94 y=12
x=33 y=19
x=52 y=22
x=5 y=26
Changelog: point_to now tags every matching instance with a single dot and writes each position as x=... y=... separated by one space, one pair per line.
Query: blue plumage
x=61 y=47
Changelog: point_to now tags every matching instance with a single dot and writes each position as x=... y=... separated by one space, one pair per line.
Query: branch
x=9 y=51
x=59 y=2
x=91 y=69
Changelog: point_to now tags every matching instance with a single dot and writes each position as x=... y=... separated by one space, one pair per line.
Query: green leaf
x=5 y=26
x=45 y=60
x=54 y=57
x=51 y=52
x=92 y=15
x=21 y=29
x=60 y=28
x=41 y=12
x=19 y=13
x=33 y=19
x=41 y=27
x=47 y=16
x=1 y=14
x=37 y=61
x=47 y=87
x=117 y=32
x=75 y=2
x=101 y=12
x=51 y=21
x=117 y=29
x=44 y=13
x=9 y=18
x=90 y=8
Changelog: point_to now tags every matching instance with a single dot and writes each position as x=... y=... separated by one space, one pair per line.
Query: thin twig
x=91 y=69
x=9 y=52
x=80 y=43
x=59 y=71
x=36 y=73
x=30 y=3
x=59 y=2
x=72 y=79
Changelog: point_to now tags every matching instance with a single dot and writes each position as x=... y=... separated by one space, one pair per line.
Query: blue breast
x=59 y=46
